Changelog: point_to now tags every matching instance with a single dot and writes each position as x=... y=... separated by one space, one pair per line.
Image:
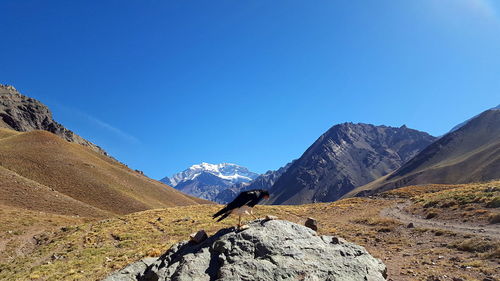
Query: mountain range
x=346 y=156
x=46 y=167
x=363 y=159
x=470 y=153
x=264 y=181
x=207 y=180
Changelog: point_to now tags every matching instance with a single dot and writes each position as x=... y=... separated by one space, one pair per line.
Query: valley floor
x=439 y=246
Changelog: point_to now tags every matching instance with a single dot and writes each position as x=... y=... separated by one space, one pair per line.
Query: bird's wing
x=241 y=200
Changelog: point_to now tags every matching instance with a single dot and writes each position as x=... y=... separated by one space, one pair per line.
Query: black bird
x=242 y=204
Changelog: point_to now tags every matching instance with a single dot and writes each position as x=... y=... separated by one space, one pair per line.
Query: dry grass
x=91 y=250
x=485 y=194
x=477 y=245
x=416 y=190
x=61 y=172
x=477 y=203
x=75 y=250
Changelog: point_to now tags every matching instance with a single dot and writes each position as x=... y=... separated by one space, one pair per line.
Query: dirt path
x=22 y=244
x=397 y=212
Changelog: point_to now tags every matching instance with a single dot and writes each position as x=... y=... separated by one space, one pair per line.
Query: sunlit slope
x=18 y=191
x=80 y=173
x=93 y=249
x=469 y=154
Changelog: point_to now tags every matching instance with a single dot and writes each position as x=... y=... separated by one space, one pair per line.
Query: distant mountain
x=208 y=180
x=264 y=181
x=465 y=122
x=25 y=114
x=346 y=156
x=468 y=154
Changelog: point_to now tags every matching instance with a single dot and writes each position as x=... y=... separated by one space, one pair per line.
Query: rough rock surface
x=346 y=156
x=24 y=114
x=268 y=250
x=467 y=154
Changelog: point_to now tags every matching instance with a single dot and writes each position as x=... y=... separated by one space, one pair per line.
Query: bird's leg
x=251 y=213
x=239 y=221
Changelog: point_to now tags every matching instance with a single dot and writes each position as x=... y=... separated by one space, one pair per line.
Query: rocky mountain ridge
x=470 y=153
x=466 y=121
x=346 y=156
x=25 y=114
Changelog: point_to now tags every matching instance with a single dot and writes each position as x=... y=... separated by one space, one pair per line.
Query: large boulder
x=267 y=250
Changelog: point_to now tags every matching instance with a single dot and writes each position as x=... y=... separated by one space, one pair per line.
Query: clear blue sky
x=162 y=85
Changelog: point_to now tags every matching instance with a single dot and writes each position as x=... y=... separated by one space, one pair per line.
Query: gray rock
x=25 y=114
x=129 y=272
x=198 y=236
x=268 y=250
x=312 y=224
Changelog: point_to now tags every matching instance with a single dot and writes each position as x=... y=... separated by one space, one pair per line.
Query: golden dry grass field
x=37 y=246
x=42 y=172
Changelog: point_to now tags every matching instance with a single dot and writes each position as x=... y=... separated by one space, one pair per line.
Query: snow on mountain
x=207 y=180
x=226 y=171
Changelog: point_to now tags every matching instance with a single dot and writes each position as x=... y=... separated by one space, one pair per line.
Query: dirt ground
x=412 y=246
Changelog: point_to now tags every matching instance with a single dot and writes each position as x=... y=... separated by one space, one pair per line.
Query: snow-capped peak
x=226 y=171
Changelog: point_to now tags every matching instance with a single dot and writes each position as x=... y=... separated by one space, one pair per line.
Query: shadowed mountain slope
x=346 y=156
x=469 y=154
x=41 y=171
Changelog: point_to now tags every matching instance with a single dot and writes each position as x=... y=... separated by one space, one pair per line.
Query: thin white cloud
x=112 y=129
x=108 y=127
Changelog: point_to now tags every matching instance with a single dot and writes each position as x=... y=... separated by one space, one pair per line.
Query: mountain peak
x=230 y=172
x=346 y=156
x=467 y=154
x=206 y=180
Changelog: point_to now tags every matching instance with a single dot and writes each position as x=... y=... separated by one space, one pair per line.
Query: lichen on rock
x=268 y=250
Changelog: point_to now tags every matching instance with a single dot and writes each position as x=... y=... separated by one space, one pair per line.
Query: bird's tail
x=224 y=216
x=222 y=211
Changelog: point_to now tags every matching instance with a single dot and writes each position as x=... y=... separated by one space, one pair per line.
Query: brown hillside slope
x=469 y=154
x=434 y=249
x=20 y=192
x=77 y=172
x=25 y=114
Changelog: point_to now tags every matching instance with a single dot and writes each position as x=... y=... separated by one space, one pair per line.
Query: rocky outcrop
x=345 y=157
x=24 y=114
x=468 y=154
x=267 y=250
